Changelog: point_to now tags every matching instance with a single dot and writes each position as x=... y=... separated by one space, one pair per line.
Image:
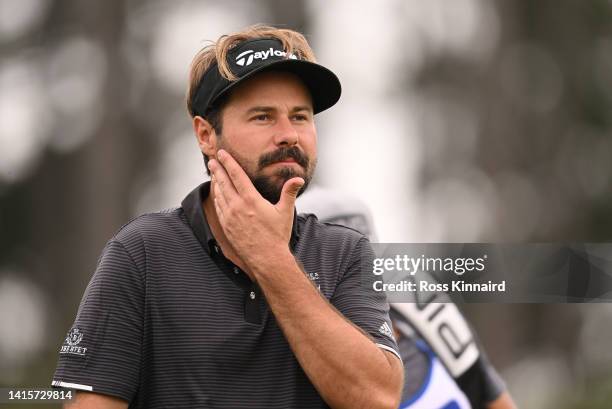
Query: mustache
x=284 y=153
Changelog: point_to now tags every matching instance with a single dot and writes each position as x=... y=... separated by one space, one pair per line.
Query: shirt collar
x=193 y=207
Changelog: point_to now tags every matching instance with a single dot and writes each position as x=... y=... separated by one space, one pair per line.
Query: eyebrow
x=272 y=109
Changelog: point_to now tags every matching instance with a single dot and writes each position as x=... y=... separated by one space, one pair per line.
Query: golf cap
x=266 y=54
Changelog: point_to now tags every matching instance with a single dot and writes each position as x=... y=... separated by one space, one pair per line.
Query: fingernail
x=220 y=154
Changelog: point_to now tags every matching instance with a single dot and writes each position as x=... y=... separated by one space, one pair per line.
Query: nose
x=285 y=132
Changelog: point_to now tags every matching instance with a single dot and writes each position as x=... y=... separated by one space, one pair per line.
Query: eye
x=261 y=117
x=300 y=117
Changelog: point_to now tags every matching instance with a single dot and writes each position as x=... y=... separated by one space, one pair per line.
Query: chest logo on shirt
x=314 y=277
x=73 y=339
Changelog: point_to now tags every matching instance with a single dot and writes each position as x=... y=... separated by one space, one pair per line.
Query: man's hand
x=256 y=229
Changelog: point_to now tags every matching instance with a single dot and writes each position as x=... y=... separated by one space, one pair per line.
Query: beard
x=270 y=186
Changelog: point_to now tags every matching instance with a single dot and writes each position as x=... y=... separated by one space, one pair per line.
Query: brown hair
x=293 y=43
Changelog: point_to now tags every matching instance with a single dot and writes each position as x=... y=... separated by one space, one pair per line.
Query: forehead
x=272 y=89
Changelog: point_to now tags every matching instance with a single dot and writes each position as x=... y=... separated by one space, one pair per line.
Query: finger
x=219 y=212
x=219 y=199
x=237 y=175
x=291 y=188
x=224 y=185
x=216 y=201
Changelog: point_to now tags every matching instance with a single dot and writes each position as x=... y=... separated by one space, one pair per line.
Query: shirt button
x=252 y=295
x=236 y=271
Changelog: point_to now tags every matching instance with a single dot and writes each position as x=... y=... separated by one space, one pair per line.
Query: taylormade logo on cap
x=247 y=57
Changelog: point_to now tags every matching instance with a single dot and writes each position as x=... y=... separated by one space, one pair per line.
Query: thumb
x=291 y=188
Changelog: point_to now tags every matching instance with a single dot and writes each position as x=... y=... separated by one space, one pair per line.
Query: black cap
x=266 y=54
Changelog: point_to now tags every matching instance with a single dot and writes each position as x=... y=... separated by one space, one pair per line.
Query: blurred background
x=460 y=121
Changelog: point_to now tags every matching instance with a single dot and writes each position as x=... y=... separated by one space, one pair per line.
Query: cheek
x=309 y=144
x=242 y=151
x=242 y=142
x=313 y=154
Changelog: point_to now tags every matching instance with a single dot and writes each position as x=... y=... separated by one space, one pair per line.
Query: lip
x=285 y=162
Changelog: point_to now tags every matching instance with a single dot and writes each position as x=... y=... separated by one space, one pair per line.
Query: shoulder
x=149 y=226
x=330 y=248
x=309 y=224
x=330 y=236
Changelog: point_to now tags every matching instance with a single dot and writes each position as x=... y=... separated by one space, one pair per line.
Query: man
x=442 y=368
x=231 y=300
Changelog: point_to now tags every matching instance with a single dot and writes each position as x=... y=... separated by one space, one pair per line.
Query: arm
x=345 y=366
x=88 y=400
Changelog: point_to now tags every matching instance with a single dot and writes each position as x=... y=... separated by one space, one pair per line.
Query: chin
x=288 y=172
x=270 y=187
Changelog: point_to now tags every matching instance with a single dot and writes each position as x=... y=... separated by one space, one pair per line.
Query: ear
x=206 y=135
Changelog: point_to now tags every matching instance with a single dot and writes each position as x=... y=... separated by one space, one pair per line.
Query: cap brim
x=323 y=84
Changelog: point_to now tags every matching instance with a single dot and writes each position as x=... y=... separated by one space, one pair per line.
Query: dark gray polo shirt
x=168 y=322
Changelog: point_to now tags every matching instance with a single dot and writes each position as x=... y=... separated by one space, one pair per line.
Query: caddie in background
x=232 y=300
x=442 y=370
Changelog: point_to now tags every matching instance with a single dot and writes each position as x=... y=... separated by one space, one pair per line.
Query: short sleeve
x=357 y=300
x=102 y=350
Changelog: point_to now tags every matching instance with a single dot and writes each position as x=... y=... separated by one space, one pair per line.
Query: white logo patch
x=386 y=330
x=74 y=338
x=314 y=277
x=246 y=58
